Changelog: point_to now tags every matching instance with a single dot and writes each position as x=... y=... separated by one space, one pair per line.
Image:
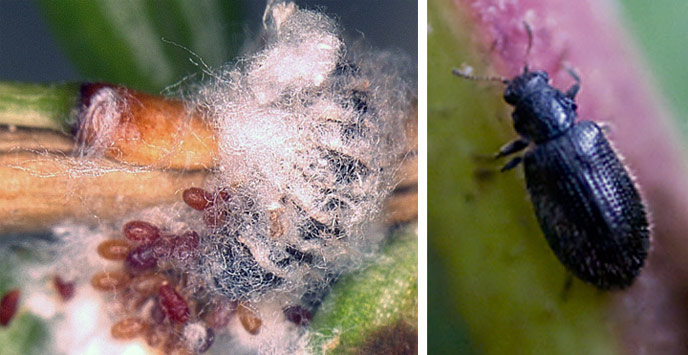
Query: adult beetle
x=585 y=201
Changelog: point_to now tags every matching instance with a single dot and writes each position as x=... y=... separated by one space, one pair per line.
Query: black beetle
x=585 y=201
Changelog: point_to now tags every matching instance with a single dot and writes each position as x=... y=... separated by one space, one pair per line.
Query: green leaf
x=26 y=334
x=380 y=301
x=128 y=42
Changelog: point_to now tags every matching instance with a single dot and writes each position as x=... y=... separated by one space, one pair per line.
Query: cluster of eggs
x=161 y=302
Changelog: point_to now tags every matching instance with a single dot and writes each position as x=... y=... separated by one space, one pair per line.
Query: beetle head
x=524 y=84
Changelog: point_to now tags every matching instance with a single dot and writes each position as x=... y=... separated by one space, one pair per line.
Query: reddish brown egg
x=220 y=313
x=140 y=231
x=157 y=314
x=131 y=300
x=147 y=284
x=249 y=319
x=214 y=217
x=163 y=247
x=110 y=280
x=223 y=194
x=141 y=259
x=184 y=246
x=8 y=306
x=197 y=198
x=276 y=226
x=64 y=289
x=298 y=315
x=114 y=249
x=128 y=328
x=173 y=304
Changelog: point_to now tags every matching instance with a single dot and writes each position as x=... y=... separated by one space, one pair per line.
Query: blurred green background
x=216 y=30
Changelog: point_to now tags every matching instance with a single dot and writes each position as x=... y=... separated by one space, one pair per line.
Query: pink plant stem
x=587 y=36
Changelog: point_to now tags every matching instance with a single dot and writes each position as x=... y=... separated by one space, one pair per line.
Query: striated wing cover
x=588 y=207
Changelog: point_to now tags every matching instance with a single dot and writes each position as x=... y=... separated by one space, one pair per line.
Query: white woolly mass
x=105 y=109
x=310 y=137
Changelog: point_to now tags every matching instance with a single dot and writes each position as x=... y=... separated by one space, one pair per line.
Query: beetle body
x=585 y=201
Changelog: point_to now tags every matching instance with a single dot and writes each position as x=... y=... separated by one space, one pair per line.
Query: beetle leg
x=511 y=164
x=512 y=147
x=573 y=90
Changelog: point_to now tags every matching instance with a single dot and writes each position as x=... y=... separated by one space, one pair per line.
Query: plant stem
x=46 y=106
x=40 y=188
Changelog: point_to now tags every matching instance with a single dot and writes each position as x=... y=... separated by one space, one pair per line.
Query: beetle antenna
x=529 y=32
x=463 y=74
